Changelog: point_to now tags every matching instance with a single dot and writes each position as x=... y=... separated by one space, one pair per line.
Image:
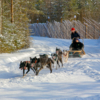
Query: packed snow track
x=78 y=79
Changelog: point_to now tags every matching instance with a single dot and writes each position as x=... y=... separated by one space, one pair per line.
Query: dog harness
x=26 y=65
x=32 y=65
x=65 y=55
x=35 y=61
x=55 y=57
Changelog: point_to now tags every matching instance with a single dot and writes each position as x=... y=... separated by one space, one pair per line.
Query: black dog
x=26 y=65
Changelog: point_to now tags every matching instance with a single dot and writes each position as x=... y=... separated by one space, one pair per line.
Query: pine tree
x=15 y=35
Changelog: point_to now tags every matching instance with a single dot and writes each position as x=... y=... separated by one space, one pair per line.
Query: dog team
x=37 y=64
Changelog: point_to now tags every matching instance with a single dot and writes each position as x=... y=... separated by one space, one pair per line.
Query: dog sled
x=76 y=53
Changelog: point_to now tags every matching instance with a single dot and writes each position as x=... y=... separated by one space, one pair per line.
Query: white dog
x=65 y=55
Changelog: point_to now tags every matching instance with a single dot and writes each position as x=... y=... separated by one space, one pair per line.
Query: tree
x=15 y=35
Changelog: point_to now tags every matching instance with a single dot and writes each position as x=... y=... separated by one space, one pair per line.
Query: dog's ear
x=20 y=62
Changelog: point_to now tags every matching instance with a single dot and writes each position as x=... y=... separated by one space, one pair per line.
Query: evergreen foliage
x=66 y=9
x=15 y=35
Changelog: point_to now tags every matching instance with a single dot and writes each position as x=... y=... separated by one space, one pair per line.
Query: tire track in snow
x=85 y=68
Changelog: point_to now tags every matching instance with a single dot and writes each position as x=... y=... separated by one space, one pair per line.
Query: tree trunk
x=12 y=18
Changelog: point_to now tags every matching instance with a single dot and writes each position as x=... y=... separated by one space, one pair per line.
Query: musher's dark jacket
x=75 y=35
x=77 y=46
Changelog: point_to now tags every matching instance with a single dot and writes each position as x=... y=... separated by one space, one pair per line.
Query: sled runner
x=76 y=53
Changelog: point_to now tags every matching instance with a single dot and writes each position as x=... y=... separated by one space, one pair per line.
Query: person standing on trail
x=74 y=34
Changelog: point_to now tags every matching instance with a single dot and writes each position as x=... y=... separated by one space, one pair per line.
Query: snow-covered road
x=79 y=79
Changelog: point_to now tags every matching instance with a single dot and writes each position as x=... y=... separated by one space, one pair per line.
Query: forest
x=16 y=15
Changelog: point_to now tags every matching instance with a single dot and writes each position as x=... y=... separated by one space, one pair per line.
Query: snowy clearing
x=78 y=79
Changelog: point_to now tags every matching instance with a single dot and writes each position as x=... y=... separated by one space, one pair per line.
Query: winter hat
x=72 y=29
x=77 y=39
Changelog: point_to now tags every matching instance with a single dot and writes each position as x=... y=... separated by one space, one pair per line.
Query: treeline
x=65 y=9
x=15 y=16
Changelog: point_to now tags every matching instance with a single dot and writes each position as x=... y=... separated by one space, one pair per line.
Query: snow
x=78 y=79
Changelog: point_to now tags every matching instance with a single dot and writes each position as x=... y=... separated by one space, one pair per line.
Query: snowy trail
x=79 y=79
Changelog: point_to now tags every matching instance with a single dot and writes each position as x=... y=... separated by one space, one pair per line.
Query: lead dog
x=26 y=65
